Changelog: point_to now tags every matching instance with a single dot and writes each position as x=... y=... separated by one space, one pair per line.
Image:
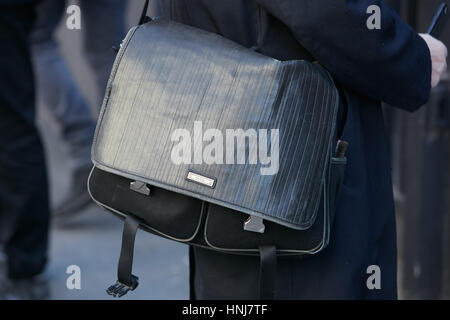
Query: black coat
x=391 y=65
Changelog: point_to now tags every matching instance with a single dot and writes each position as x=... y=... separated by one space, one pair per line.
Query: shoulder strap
x=144 y=17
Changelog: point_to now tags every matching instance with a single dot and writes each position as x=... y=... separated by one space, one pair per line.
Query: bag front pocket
x=170 y=214
x=224 y=230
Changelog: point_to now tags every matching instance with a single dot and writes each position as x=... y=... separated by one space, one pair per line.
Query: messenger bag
x=203 y=141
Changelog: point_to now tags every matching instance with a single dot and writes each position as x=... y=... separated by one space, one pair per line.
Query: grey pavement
x=92 y=242
x=92 y=239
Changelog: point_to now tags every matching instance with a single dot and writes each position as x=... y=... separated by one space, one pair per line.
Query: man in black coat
x=391 y=64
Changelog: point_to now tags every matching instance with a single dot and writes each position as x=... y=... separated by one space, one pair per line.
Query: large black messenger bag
x=208 y=143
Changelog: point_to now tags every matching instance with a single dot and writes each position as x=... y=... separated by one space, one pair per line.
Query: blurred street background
x=420 y=149
x=420 y=153
x=92 y=239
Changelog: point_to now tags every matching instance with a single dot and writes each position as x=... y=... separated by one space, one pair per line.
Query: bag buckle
x=254 y=224
x=120 y=289
x=140 y=187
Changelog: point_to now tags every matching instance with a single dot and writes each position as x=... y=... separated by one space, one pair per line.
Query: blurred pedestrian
x=24 y=208
x=102 y=26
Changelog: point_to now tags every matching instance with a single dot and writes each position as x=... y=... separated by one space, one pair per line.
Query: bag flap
x=175 y=100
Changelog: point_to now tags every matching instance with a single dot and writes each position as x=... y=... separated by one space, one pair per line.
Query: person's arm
x=391 y=64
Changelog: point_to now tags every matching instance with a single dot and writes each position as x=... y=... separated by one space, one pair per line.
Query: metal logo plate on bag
x=200 y=179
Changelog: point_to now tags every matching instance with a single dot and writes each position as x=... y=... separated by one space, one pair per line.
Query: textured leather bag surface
x=168 y=76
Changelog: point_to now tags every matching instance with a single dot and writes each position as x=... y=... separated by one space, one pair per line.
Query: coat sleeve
x=391 y=64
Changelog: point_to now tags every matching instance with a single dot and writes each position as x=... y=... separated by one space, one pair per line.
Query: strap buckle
x=120 y=289
x=140 y=187
x=254 y=224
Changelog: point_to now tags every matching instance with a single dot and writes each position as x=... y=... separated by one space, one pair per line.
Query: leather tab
x=126 y=281
x=267 y=272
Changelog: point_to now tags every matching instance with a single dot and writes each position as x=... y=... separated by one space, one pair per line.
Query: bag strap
x=126 y=281
x=267 y=272
x=144 y=17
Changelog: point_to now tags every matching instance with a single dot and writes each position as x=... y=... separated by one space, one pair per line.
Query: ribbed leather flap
x=168 y=76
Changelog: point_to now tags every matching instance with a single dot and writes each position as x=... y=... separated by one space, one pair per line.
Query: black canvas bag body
x=167 y=77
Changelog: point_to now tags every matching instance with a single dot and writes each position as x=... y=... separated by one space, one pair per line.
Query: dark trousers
x=24 y=207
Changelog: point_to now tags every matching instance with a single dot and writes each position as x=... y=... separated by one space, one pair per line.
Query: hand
x=438 y=52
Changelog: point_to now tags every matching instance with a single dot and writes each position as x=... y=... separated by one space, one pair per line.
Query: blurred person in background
x=102 y=26
x=393 y=64
x=24 y=207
